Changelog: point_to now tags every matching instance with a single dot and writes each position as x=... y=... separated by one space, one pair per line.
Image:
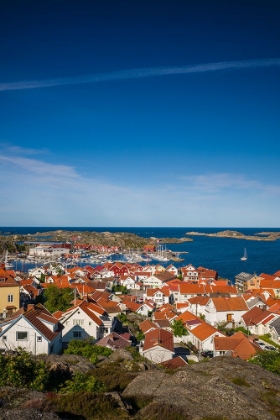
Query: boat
x=8 y=265
x=245 y=256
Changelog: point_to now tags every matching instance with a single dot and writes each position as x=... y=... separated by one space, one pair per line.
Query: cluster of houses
x=205 y=304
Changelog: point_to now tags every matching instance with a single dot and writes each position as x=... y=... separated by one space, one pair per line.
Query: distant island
x=261 y=236
x=123 y=240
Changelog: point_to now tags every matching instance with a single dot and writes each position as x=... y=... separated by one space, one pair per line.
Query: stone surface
x=207 y=390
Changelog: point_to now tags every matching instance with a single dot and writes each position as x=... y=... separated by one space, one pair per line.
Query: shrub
x=89 y=405
x=87 y=350
x=23 y=371
x=81 y=382
x=114 y=377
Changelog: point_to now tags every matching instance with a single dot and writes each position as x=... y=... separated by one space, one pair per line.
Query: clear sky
x=140 y=113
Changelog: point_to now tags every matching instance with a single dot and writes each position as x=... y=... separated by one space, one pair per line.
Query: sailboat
x=245 y=256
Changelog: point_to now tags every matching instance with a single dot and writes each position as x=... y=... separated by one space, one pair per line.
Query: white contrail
x=140 y=73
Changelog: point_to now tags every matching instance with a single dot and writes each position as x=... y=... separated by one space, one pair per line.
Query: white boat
x=8 y=265
x=245 y=256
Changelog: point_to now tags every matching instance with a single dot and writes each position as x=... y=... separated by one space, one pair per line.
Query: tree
x=58 y=299
x=269 y=360
x=179 y=328
x=87 y=350
x=23 y=371
x=82 y=382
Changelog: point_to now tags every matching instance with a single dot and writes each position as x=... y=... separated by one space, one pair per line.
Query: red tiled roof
x=238 y=344
x=232 y=303
x=147 y=325
x=175 y=363
x=204 y=331
x=158 y=337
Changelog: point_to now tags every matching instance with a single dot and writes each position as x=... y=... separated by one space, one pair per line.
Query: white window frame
x=78 y=322
x=21 y=339
x=10 y=298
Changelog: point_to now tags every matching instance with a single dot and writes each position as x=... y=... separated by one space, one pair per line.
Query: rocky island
x=123 y=240
x=262 y=236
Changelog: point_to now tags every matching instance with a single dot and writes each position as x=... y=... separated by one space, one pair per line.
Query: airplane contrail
x=140 y=73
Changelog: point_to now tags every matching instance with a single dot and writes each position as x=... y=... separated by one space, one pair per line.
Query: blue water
x=220 y=254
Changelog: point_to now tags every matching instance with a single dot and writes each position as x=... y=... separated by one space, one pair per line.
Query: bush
x=87 y=350
x=269 y=360
x=81 y=382
x=23 y=371
x=114 y=377
x=89 y=405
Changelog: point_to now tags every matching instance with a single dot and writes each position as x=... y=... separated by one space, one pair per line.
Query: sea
x=220 y=254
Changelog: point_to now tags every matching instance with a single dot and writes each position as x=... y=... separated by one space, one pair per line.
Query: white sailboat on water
x=245 y=256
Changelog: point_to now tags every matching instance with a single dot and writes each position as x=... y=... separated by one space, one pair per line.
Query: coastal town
x=179 y=314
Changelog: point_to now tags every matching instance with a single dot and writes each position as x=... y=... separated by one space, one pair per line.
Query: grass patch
x=266 y=338
x=88 y=405
x=271 y=398
x=240 y=382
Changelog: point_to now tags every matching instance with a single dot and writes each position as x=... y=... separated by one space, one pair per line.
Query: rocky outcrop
x=220 y=388
x=262 y=236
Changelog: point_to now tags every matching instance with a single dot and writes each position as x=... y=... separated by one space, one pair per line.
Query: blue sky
x=140 y=113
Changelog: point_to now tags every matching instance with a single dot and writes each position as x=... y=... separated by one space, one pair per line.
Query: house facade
x=34 y=330
x=9 y=294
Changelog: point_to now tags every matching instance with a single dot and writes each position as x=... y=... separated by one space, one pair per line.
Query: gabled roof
x=204 y=331
x=8 y=281
x=114 y=341
x=238 y=344
x=35 y=316
x=147 y=325
x=133 y=306
x=199 y=300
x=229 y=304
x=256 y=316
x=186 y=316
x=158 y=337
x=174 y=363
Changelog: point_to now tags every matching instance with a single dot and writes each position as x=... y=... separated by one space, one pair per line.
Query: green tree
x=269 y=360
x=42 y=278
x=178 y=328
x=58 y=299
x=23 y=371
x=82 y=382
x=86 y=349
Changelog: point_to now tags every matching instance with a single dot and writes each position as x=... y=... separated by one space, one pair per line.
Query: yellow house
x=9 y=294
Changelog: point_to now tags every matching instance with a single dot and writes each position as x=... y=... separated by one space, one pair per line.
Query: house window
x=77 y=334
x=229 y=317
x=21 y=335
x=39 y=339
x=2 y=279
x=10 y=298
x=78 y=322
x=89 y=323
x=4 y=337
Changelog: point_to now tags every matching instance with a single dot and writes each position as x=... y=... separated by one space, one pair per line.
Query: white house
x=33 y=329
x=86 y=320
x=221 y=309
x=202 y=336
x=152 y=281
x=158 y=345
x=158 y=296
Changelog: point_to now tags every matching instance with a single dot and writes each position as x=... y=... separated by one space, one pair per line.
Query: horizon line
x=140 y=73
